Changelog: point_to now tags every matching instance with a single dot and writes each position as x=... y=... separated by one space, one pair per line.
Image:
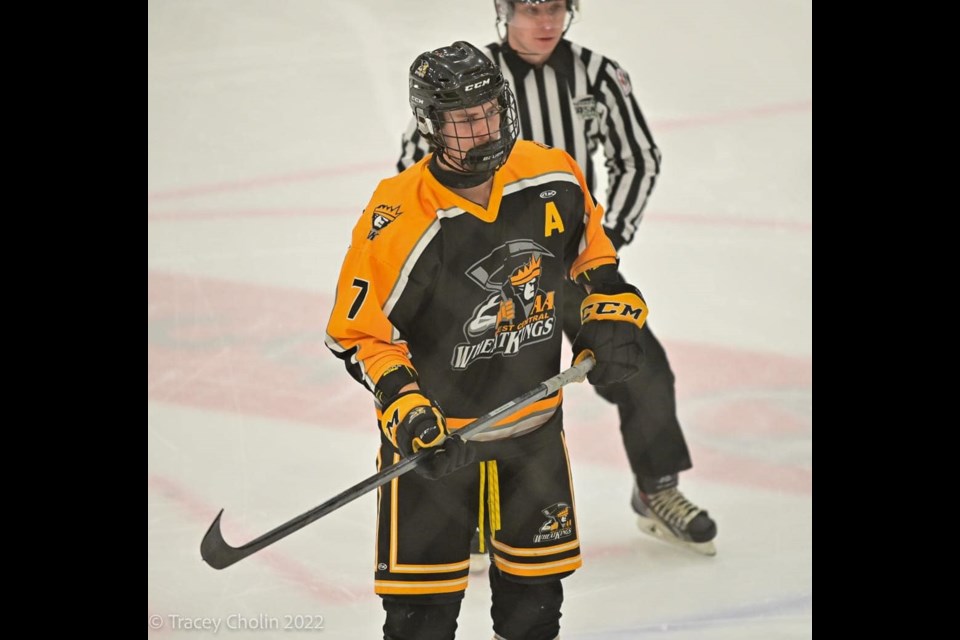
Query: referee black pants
x=647 y=403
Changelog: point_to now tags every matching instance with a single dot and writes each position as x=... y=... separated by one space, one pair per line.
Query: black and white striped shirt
x=577 y=101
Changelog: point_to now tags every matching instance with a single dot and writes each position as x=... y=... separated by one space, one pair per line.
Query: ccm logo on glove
x=628 y=307
x=612 y=317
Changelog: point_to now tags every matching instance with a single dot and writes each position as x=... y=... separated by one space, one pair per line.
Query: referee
x=576 y=99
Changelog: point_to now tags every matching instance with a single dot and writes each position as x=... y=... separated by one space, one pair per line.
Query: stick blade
x=214 y=550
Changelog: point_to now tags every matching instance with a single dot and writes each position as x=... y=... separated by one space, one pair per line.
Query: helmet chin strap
x=453 y=178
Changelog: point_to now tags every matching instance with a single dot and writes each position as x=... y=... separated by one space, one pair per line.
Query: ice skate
x=668 y=515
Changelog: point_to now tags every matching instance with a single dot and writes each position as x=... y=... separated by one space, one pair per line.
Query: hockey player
x=447 y=307
x=578 y=100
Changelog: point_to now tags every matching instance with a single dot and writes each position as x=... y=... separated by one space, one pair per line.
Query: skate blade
x=479 y=562
x=657 y=530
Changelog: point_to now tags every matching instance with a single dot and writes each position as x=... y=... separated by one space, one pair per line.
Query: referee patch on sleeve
x=624 y=81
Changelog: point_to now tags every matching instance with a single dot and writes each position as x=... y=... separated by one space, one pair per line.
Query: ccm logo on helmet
x=477 y=85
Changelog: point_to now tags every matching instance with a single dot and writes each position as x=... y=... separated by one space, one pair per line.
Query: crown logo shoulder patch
x=383 y=215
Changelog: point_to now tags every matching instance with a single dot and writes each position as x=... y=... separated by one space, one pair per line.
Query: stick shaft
x=218 y=554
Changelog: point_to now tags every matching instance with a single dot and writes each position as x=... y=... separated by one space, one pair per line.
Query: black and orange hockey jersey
x=468 y=296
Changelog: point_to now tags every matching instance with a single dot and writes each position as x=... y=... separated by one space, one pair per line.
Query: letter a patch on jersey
x=552 y=220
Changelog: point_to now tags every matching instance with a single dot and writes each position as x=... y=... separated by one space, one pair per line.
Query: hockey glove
x=453 y=454
x=411 y=423
x=611 y=316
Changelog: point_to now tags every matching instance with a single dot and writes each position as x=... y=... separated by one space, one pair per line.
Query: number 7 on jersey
x=363 y=287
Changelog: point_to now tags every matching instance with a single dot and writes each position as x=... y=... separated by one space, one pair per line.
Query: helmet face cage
x=506 y=13
x=464 y=107
x=478 y=141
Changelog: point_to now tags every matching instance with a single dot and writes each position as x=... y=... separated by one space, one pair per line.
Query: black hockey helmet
x=457 y=77
x=506 y=10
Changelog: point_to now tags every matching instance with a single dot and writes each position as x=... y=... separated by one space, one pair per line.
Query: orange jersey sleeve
x=595 y=247
x=384 y=244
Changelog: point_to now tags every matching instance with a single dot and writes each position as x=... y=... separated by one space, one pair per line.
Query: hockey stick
x=219 y=555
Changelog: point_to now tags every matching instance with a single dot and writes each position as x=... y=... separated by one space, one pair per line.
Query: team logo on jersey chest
x=516 y=313
x=383 y=215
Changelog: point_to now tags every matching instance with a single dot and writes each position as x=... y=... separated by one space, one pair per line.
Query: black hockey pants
x=647 y=403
